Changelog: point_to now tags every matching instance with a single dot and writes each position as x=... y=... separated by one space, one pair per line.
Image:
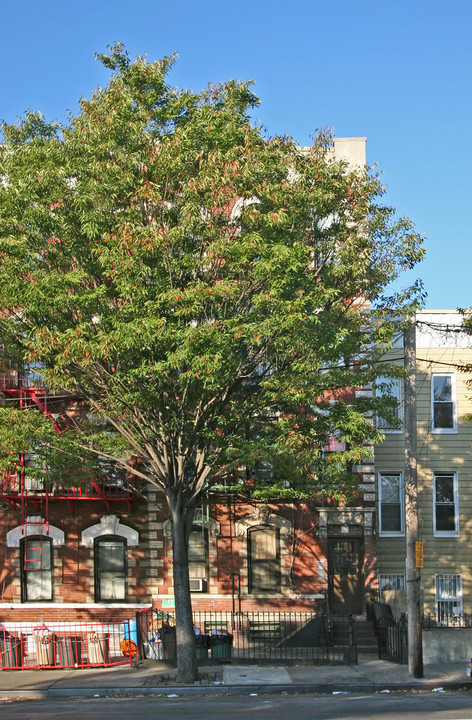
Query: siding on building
x=438 y=452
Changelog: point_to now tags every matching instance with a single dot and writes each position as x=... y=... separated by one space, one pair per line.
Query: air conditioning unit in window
x=197 y=585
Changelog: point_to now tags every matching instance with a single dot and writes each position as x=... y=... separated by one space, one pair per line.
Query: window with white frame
x=443 y=399
x=198 y=559
x=446 y=504
x=111 y=569
x=390 y=388
x=36 y=569
x=391 y=504
x=448 y=598
x=395 y=581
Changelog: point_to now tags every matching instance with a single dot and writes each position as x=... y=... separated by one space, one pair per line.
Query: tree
x=203 y=290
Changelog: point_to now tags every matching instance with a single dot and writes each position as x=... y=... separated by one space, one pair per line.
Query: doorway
x=345 y=580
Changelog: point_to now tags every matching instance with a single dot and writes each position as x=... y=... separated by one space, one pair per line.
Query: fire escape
x=33 y=496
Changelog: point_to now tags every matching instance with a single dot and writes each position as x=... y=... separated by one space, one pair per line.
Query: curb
x=315 y=689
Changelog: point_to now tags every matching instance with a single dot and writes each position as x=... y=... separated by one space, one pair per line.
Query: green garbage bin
x=201 y=643
x=221 y=646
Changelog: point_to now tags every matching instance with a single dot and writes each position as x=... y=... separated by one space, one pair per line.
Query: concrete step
x=364 y=633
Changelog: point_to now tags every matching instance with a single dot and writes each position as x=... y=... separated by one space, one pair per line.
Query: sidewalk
x=369 y=675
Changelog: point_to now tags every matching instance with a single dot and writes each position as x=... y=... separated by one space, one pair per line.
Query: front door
x=345 y=585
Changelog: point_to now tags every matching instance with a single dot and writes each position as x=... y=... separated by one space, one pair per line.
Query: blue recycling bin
x=131 y=632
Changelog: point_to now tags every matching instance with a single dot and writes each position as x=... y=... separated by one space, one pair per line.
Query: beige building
x=444 y=471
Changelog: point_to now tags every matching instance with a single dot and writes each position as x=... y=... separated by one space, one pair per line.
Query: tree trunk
x=187 y=670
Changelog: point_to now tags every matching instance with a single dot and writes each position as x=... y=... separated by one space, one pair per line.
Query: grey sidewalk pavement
x=369 y=675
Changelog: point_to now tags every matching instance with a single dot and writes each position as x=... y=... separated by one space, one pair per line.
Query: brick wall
x=303 y=557
x=73 y=563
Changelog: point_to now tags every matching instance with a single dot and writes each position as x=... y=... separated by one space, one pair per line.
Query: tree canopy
x=202 y=286
x=206 y=294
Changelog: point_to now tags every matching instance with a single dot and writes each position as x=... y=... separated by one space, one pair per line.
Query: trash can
x=221 y=646
x=153 y=648
x=69 y=650
x=45 y=649
x=201 y=643
x=169 y=643
x=98 y=648
x=11 y=650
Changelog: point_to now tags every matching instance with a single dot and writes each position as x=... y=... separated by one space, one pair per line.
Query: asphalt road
x=408 y=706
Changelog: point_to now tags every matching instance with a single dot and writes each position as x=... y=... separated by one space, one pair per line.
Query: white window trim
x=398 y=430
x=447 y=533
x=392 y=533
x=35 y=525
x=452 y=430
x=110 y=525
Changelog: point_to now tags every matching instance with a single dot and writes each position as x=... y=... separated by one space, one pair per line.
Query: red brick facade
x=303 y=533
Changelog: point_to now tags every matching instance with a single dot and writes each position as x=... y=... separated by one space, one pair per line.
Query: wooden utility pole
x=415 y=640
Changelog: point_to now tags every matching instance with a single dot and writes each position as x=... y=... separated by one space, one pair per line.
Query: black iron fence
x=253 y=636
x=391 y=634
x=443 y=619
x=392 y=639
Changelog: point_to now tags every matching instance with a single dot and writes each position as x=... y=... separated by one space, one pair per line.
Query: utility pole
x=415 y=640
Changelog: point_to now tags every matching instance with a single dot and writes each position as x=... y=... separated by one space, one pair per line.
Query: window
x=446 y=515
x=391 y=504
x=391 y=582
x=31 y=376
x=198 y=559
x=32 y=483
x=443 y=400
x=264 y=559
x=36 y=567
x=390 y=388
x=110 y=569
x=112 y=477
x=448 y=597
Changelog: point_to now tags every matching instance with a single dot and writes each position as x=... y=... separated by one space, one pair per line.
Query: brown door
x=345 y=585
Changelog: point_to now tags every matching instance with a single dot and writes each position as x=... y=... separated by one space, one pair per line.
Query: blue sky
x=395 y=71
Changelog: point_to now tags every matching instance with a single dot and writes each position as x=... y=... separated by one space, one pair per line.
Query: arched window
x=36 y=568
x=198 y=559
x=264 y=559
x=111 y=569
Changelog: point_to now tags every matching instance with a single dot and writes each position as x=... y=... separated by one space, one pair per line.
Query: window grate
x=395 y=581
x=448 y=597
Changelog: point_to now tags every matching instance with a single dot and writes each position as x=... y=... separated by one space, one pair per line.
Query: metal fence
x=258 y=636
x=392 y=639
x=444 y=619
x=62 y=645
